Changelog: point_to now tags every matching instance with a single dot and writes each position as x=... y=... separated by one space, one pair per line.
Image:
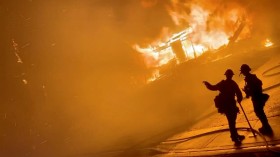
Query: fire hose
x=267 y=146
x=252 y=130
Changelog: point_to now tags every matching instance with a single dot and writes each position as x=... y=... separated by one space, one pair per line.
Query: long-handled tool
x=247 y=120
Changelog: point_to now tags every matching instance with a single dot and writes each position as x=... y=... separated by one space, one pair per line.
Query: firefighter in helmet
x=253 y=89
x=226 y=103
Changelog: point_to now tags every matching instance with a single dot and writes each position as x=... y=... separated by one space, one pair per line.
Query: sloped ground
x=203 y=132
x=210 y=137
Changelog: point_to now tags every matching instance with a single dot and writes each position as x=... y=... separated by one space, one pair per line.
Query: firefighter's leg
x=231 y=117
x=259 y=111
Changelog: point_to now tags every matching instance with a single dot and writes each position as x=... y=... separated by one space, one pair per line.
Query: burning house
x=207 y=29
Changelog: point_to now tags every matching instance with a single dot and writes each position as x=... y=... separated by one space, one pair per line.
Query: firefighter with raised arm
x=253 y=89
x=226 y=103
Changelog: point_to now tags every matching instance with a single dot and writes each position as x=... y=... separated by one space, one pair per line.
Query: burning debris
x=207 y=28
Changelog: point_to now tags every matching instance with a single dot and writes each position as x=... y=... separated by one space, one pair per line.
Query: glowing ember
x=24 y=81
x=268 y=43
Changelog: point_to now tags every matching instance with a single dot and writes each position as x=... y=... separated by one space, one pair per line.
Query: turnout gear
x=253 y=89
x=225 y=101
x=226 y=104
x=253 y=86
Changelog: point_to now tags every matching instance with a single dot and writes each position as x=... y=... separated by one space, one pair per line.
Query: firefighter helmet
x=229 y=72
x=245 y=68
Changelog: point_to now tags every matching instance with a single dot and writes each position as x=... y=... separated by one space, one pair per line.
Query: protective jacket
x=225 y=101
x=253 y=86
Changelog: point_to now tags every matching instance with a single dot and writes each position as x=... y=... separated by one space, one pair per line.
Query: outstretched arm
x=209 y=86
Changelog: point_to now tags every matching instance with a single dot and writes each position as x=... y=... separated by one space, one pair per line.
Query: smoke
x=82 y=76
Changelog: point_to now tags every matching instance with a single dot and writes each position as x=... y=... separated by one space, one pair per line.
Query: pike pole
x=247 y=120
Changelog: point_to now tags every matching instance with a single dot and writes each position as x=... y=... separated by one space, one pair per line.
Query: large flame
x=208 y=27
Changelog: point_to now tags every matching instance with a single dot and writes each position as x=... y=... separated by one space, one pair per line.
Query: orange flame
x=208 y=28
x=268 y=43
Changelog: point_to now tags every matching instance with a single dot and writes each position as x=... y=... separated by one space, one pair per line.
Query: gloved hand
x=206 y=83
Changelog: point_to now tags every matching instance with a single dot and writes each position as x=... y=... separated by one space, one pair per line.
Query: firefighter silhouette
x=253 y=89
x=226 y=103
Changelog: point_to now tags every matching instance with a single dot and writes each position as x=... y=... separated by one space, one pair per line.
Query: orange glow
x=154 y=76
x=268 y=43
x=205 y=31
x=148 y=3
x=155 y=58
